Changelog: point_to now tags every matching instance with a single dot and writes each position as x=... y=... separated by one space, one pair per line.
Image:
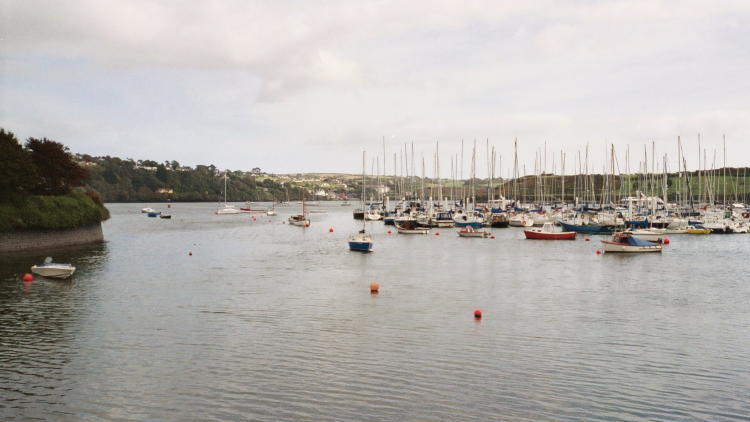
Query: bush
x=38 y=212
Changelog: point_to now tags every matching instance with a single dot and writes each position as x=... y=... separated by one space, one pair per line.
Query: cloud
x=296 y=78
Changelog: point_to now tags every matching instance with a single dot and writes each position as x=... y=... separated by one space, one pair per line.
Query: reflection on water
x=271 y=322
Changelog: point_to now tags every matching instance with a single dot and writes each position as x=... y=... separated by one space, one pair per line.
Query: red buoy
x=477 y=314
x=307 y=225
x=492 y=237
x=190 y=253
x=330 y=230
x=283 y=222
x=28 y=277
x=374 y=287
x=437 y=233
x=587 y=238
x=389 y=232
x=598 y=252
x=665 y=241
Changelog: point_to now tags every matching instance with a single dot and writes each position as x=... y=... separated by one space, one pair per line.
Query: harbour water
x=271 y=322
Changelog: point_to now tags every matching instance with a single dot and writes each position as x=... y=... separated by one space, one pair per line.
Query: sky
x=306 y=86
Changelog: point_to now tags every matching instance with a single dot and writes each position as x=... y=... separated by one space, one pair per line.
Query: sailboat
x=362 y=241
x=300 y=220
x=228 y=209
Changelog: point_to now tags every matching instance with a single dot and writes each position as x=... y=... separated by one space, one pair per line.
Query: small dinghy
x=469 y=231
x=547 y=232
x=53 y=270
x=146 y=210
x=623 y=242
x=154 y=214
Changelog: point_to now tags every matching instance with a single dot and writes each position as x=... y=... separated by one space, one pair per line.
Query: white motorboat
x=271 y=213
x=146 y=210
x=53 y=270
x=469 y=231
x=228 y=209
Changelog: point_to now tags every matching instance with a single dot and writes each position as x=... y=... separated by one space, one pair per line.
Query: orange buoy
x=374 y=287
x=598 y=252
x=665 y=241
x=330 y=230
x=477 y=314
x=28 y=277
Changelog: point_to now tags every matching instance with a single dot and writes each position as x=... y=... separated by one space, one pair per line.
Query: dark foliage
x=57 y=170
x=18 y=173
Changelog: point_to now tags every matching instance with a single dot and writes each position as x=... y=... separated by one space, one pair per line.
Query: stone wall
x=16 y=241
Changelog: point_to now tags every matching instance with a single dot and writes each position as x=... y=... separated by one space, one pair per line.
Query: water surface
x=271 y=322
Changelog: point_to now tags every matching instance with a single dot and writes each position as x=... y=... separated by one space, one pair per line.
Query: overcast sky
x=306 y=86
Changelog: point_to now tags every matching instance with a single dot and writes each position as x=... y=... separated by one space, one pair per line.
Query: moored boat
x=625 y=243
x=154 y=214
x=469 y=231
x=53 y=270
x=360 y=242
x=411 y=227
x=547 y=232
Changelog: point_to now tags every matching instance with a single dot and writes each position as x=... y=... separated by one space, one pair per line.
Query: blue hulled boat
x=588 y=228
x=360 y=242
x=154 y=214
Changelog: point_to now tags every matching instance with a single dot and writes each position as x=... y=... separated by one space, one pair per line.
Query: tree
x=57 y=170
x=161 y=173
x=17 y=171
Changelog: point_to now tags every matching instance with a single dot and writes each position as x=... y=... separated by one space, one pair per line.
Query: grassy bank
x=39 y=212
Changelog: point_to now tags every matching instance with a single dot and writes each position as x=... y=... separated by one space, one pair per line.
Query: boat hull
x=360 y=246
x=617 y=247
x=53 y=271
x=474 y=224
x=539 y=235
x=474 y=234
x=413 y=231
x=153 y=214
x=587 y=229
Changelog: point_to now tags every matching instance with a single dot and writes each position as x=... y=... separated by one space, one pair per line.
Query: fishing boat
x=469 y=231
x=153 y=214
x=548 y=232
x=499 y=220
x=410 y=227
x=228 y=209
x=626 y=243
x=53 y=270
x=300 y=220
x=698 y=229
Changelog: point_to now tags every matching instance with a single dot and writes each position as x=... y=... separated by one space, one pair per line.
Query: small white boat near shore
x=53 y=270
